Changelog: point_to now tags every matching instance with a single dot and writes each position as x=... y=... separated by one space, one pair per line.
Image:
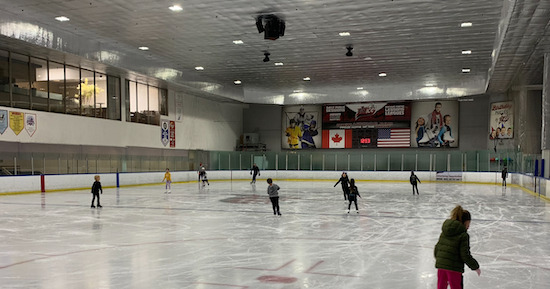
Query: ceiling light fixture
x=266 y=58
x=306 y=78
x=360 y=88
x=466 y=52
x=143 y=48
x=62 y=18
x=238 y=42
x=344 y=34
x=237 y=82
x=175 y=8
x=382 y=74
x=199 y=68
x=349 y=48
x=465 y=70
x=279 y=64
x=466 y=24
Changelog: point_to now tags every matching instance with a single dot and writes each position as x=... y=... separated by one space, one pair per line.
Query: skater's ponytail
x=459 y=214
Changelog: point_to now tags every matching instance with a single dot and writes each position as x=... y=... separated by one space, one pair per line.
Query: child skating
x=414 y=182
x=168 y=179
x=345 y=184
x=273 y=192
x=205 y=179
x=96 y=187
x=353 y=194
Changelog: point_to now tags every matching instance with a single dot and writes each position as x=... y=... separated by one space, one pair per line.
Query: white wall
x=206 y=125
x=14 y=184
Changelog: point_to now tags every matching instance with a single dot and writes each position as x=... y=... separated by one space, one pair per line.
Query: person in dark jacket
x=414 y=182
x=452 y=250
x=353 y=193
x=504 y=176
x=256 y=171
x=96 y=187
x=345 y=184
x=273 y=192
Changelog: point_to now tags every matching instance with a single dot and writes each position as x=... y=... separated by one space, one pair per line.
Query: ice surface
x=226 y=236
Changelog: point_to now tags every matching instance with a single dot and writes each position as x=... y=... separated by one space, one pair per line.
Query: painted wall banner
x=172 y=134
x=301 y=127
x=179 y=107
x=502 y=120
x=17 y=123
x=3 y=120
x=448 y=176
x=30 y=123
x=434 y=124
x=164 y=132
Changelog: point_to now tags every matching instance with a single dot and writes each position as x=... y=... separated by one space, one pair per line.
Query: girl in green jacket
x=453 y=250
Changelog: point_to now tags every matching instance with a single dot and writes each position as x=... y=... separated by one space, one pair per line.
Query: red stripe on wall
x=326 y=138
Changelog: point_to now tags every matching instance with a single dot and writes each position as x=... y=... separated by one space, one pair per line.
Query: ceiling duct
x=272 y=26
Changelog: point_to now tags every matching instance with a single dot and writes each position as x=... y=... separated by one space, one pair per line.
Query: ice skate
x=447 y=137
x=424 y=139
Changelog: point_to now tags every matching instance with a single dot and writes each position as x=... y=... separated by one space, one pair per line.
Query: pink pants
x=449 y=277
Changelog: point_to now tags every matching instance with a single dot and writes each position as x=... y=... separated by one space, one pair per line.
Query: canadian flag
x=337 y=138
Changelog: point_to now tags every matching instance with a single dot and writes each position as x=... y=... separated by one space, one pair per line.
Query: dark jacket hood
x=452 y=228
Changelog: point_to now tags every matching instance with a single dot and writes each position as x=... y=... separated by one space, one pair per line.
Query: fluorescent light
x=62 y=18
x=430 y=84
x=307 y=79
x=199 y=68
x=359 y=88
x=278 y=64
x=297 y=91
x=382 y=74
x=143 y=48
x=175 y=8
x=238 y=42
x=465 y=70
x=466 y=24
x=237 y=82
x=344 y=34
x=367 y=58
x=466 y=52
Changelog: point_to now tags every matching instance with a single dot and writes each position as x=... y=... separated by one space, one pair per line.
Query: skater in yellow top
x=168 y=179
x=294 y=134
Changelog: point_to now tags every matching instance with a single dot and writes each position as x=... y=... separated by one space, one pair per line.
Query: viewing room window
x=145 y=102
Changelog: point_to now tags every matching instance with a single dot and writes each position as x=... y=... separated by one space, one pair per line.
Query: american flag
x=394 y=138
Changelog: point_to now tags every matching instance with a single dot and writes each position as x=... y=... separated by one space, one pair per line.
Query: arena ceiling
x=402 y=49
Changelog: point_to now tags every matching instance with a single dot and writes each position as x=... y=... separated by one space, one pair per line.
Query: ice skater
x=273 y=192
x=201 y=172
x=345 y=184
x=353 y=194
x=256 y=170
x=168 y=179
x=414 y=179
x=96 y=187
x=504 y=176
x=453 y=250
x=205 y=179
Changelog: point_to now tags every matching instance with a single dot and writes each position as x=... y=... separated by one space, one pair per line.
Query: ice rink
x=226 y=236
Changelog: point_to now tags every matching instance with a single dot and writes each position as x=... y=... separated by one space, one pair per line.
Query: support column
x=545 y=134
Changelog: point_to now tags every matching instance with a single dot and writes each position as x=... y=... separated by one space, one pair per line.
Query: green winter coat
x=453 y=248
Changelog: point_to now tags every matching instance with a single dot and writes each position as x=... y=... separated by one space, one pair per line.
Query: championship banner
x=337 y=138
x=172 y=134
x=3 y=120
x=164 y=133
x=30 y=123
x=17 y=122
x=502 y=120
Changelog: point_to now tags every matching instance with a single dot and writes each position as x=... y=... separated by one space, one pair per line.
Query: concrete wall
x=206 y=125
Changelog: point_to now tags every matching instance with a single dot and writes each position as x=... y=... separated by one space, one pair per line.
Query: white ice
x=226 y=236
